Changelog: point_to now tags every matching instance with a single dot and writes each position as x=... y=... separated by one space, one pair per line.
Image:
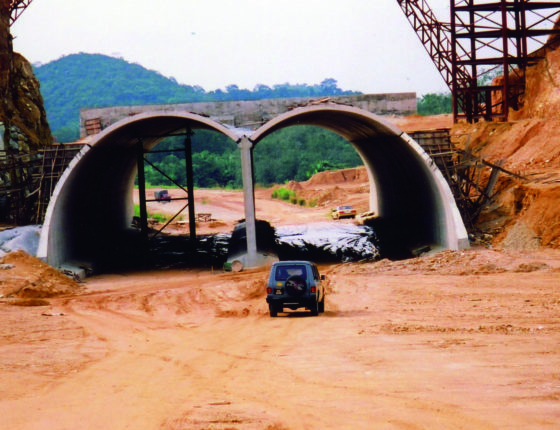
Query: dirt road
x=226 y=207
x=459 y=340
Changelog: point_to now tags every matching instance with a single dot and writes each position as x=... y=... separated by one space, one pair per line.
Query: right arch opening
x=414 y=204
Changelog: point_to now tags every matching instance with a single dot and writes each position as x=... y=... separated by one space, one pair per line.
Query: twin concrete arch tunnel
x=90 y=213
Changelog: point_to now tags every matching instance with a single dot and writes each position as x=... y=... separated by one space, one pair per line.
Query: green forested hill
x=94 y=80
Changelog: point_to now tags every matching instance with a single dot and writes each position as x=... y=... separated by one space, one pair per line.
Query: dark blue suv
x=293 y=285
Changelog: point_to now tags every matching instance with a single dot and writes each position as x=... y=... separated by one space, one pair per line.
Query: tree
x=330 y=86
x=293 y=153
x=320 y=166
x=435 y=104
x=232 y=89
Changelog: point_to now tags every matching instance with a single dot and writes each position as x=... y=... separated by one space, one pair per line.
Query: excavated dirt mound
x=357 y=174
x=529 y=148
x=473 y=262
x=418 y=122
x=542 y=94
x=27 y=277
x=332 y=188
x=526 y=146
x=336 y=187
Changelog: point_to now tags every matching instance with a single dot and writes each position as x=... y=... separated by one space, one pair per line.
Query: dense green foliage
x=435 y=104
x=283 y=194
x=296 y=153
x=94 y=80
x=216 y=161
x=292 y=153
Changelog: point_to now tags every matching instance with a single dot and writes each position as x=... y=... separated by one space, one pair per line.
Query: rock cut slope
x=524 y=213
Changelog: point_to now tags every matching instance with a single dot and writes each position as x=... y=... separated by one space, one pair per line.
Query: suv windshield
x=285 y=271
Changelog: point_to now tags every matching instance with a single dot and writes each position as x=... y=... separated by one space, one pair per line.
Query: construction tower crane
x=16 y=9
x=484 y=39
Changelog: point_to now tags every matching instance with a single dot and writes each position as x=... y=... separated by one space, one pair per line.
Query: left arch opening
x=89 y=217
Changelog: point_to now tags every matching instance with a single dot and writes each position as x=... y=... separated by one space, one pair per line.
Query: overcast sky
x=366 y=45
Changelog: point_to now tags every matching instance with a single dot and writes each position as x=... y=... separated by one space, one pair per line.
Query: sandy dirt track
x=466 y=340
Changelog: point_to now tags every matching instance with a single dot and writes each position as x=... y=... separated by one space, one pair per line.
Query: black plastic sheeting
x=319 y=242
x=327 y=242
x=178 y=251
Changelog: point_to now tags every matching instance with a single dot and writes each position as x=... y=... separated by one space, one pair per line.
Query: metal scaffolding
x=471 y=179
x=16 y=9
x=141 y=153
x=16 y=185
x=27 y=181
x=485 y=49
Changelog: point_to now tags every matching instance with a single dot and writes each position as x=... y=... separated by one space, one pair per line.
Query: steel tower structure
x=16 y=9
x=483 y=51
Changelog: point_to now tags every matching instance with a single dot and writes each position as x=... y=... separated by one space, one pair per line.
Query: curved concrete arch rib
x=89 y=215
x=413 y=200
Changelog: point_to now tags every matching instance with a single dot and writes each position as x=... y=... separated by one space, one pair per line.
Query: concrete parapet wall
x=252 y=114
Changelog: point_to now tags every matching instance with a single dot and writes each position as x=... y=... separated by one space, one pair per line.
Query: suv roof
x=277 y=263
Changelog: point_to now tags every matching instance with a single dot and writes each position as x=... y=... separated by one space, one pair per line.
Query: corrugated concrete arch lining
x=413 y=200
x=90 y=212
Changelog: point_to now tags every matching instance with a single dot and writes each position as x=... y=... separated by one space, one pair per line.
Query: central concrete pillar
x=190 y=184
x=246 y=146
